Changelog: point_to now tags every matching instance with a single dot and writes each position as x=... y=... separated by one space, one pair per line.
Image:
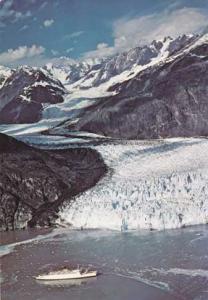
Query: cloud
x=128 y=33
x=43 y=5
x=48 y=23
x=24 y=27
x=9 y=13
x=32 y=56
x=70 y=50
x=102 y=46
x=23 y=52
x=156 y=26
x=54 y=52
x=73 y=35
x=102 y=50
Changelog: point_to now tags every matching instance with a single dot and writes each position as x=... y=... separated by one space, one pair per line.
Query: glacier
x=159 y=184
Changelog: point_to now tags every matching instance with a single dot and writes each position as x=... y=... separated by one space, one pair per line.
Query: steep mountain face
x=93 y=72
x=34 y=183
x=152 y=91
x=167 y=99
x=4 y=74
x=137 y=56
x=106 y=69
x=69 y=71
x=24 y=92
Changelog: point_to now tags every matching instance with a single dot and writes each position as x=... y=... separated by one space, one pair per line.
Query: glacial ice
x=150 y=185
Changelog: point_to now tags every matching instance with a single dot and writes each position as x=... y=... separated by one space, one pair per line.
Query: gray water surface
x=134 y=265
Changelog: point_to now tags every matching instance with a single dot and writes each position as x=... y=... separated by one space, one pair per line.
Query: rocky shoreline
x=34 y=183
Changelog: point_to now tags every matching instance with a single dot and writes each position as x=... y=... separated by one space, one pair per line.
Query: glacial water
x=157 y=265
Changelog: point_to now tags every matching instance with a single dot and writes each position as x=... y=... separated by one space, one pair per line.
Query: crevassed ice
x=152 y=185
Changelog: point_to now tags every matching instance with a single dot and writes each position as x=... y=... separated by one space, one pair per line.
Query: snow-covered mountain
x=4 y=74
x=127 y=61
x=24 y=93
x=165 y=98
x=75 y=91
x=69 y=71
x=93 y=72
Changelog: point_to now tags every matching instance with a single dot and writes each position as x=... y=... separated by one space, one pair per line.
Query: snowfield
x=150 y=185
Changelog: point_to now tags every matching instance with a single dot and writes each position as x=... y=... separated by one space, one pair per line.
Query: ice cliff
x=150 y=184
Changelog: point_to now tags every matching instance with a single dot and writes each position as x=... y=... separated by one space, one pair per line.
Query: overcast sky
x=36 y=31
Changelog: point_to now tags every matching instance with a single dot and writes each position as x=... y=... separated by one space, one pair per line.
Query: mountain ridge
x=166 y=100
x=90 y=86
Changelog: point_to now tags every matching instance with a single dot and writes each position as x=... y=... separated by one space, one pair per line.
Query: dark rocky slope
x=33 y=182
x=167 y=100
x=25 y=91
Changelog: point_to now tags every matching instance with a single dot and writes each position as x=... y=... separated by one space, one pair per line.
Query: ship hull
x=66 y=276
